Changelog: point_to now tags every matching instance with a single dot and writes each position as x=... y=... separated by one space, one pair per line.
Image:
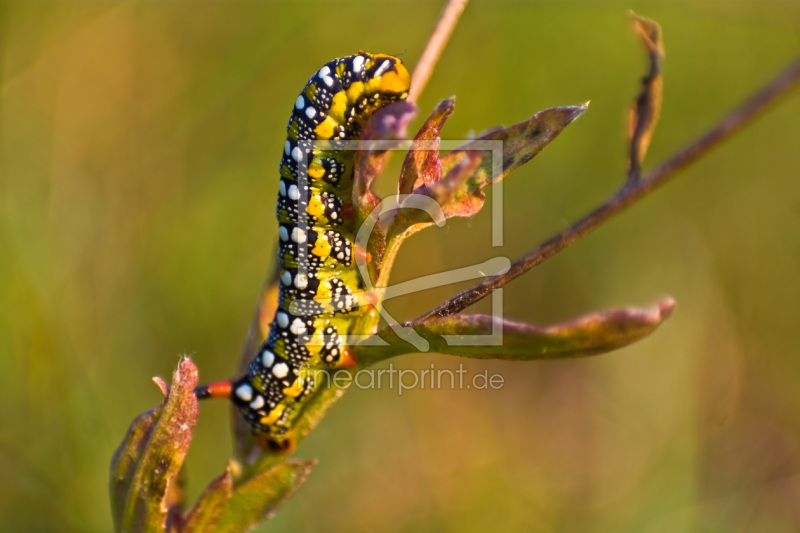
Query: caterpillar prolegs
x=319 y=280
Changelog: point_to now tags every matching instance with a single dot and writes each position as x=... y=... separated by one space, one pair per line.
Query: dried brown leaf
x=646 y=109
x=422 y=164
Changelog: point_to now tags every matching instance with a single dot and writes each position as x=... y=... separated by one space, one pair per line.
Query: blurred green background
x=139 y=146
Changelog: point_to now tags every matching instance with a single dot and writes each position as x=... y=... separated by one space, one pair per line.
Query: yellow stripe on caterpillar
x=273 y=415
x=324 y=129
x=322 y=248
x=338 y=107
x=315 y=169
x=296 y=389
x=395 y=82
x=315 y=207
x=355 y=91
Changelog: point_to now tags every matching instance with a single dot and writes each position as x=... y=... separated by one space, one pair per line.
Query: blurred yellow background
x=139 y=147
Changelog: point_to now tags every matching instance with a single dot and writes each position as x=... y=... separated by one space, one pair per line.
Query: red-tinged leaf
x=260 y=497
x=442 y=192
x=145 y=467
x=206 y=513
x=422 y=164
x=520 y=143
x=646 y=109
x=589 y=335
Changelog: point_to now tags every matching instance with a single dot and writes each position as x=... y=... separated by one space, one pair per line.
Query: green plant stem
x=629 y=194
x=369 y=322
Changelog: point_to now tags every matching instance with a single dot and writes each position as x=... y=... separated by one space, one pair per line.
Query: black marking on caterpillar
x=319 y=280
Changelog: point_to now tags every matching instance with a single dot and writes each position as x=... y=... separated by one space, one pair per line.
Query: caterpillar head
x=386 y=80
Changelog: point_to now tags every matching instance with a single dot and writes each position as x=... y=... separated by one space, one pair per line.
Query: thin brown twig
x=628 y=194
x=433 y=49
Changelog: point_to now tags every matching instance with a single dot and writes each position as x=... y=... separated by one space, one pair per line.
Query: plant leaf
x=469 y=168
x=422 y=162
x=521 y=142
x=145 y=467
x=442 y=192
x=592 y=334
x=646 y=109
x=260 y=497
x=206 y=513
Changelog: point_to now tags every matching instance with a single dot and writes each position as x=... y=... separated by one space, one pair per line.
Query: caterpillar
x=320 y=286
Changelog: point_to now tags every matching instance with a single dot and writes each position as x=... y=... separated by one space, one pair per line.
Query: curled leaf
x=422 y=164
x=145 y=467
x=260 y=497
x=488 y=337
x=646 y=109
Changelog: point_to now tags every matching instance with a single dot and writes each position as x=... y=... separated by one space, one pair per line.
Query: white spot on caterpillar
x=300 y=103
x=258 y=403
x=311 y=112
x=287 y=148
x=283 y=233
x=283 y=320
x=383 y=68
x=281 y=370
x=282 y=188
x=297 y=155
x=298 y=327
x=324 y=74
x=300 y=281
x=267 y=358
x=358 y=63
x=286 y=278
x=298 y=235
x=244 y=392
x=294 y=192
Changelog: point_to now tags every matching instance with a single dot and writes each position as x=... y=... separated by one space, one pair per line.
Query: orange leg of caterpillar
x=218 y=389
